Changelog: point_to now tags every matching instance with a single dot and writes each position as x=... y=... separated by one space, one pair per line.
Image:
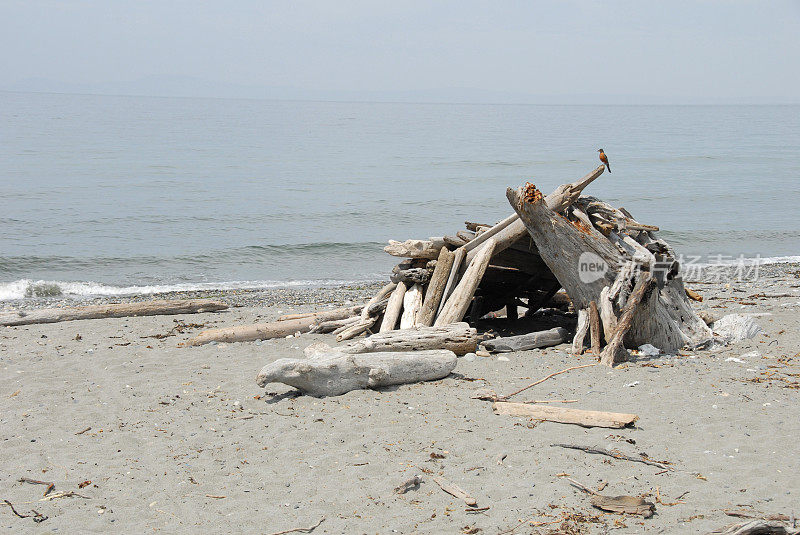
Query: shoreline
x=343 y=294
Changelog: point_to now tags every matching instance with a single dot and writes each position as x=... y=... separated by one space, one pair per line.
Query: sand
x=181 y=440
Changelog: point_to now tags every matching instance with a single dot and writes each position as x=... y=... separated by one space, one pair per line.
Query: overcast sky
x=705 y=50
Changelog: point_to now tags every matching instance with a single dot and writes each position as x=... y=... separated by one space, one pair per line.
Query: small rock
x=632 y=384
x=503 y=359
x=470 y=357
x=734 y=359
x=482 y=353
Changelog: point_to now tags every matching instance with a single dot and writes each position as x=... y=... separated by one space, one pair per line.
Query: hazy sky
x=700 y=49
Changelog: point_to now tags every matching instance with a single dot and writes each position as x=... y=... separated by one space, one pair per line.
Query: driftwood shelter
x=620 y=277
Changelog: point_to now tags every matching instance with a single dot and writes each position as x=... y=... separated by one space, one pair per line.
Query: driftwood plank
x=120 y=310
x=454 y=490
x=614 y=420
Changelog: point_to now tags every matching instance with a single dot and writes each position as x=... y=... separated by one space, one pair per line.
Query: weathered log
x=117 y=310
x=564 y=415
x=454 y=241
x=580 y=331
x=583 y=263
x=248 y=333
x=414 y=248
x=369 y=308
x=412 y=302
x=615 y=351
x=524 y=342
x=607 y=316
x=459 y=338
x=594 y=328
x=334 y=373
x=361 y=326
x=435 y=290
x=456 y=306
x=586 y=263
x=411 y=276
x=452 y=278
x=393 y=308
x=326 y=315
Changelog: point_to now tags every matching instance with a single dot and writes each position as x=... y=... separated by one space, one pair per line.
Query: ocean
x=115 y=195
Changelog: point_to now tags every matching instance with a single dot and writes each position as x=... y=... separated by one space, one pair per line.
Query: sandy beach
x=152 y=437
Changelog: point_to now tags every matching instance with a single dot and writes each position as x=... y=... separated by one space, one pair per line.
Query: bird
x=604 y=159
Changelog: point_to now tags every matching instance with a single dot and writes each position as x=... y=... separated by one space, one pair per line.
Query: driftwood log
x=248 y=333
x=120 y=310
x=524 y=342
x=459 y=338
x=334 y=373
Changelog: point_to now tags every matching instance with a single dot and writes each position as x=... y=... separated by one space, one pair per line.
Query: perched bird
x=604 y=159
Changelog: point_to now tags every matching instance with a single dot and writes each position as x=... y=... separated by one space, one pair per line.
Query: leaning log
x=412 y=303
x=524 y=342
x=458 y=303
x=459 y=338
x=580 y=332
x=393 y=308
x=117 y=310
x=615 y=352
x=452 y=278
x=334 y=373
x=435 y=290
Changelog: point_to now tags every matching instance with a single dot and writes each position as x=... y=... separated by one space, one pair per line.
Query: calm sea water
x=105 y=194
